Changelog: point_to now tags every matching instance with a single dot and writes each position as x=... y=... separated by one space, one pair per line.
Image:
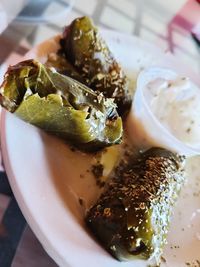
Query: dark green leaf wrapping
x=60 y=105
x=63 y=66
x=88 y=53
x=131 y=218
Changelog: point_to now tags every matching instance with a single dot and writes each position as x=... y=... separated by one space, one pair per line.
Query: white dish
x=45 y=177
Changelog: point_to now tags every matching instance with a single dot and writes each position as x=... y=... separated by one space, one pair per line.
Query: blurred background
x=174 y=25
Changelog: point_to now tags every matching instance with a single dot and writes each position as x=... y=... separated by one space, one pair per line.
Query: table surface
x=168 y=24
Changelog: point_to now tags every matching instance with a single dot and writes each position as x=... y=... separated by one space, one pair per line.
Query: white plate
x=45 y=177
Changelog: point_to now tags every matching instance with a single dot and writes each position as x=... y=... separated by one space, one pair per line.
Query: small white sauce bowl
x=144 y=129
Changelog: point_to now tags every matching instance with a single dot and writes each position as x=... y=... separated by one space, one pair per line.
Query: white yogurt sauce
x=176 y=104
x=165 y=112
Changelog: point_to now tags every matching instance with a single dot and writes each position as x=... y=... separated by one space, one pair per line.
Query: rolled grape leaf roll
x=132 y=216
x=85 y=49
x=60 y=105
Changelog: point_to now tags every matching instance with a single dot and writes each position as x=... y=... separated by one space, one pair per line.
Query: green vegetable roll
x=60 y=105
x=132 y=216
x=88 y=53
